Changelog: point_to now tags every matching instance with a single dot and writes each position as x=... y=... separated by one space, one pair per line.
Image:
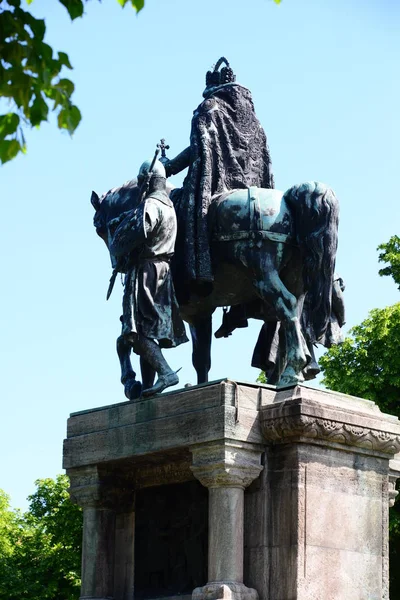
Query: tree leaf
x=66 y=86
x=8 y=124
x=69 y=118
x=137 y=4
x=21 y=88
x=37 y=26
x=74 y=8
x=64 y=60
x=38 y=111
x=9 y=150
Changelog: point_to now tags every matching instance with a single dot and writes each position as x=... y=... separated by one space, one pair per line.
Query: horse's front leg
x=132 y=388
x=296 y=358
x=201 y=330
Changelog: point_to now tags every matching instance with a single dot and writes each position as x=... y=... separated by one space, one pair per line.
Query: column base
x=224 y=590
x=95 y=598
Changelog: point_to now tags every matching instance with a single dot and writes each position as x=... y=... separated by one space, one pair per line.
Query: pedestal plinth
x=312 y=522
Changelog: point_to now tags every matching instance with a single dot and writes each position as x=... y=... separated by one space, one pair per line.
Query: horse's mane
x=116 y=201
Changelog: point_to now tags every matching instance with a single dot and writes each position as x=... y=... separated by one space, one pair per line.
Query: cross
x=163 y=148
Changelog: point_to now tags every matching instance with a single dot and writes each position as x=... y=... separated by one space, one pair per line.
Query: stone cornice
x=303 y=419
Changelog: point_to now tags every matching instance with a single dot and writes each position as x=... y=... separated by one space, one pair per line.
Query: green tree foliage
x=368 y=365
x=40 y=550
x=391 y=254
x=31 y=80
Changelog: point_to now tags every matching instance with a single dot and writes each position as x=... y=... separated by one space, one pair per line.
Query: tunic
x=149 y=303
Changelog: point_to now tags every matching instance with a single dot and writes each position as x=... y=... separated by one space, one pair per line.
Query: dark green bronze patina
x=270 y=255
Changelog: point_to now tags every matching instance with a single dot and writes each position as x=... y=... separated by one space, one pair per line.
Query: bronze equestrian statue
x=239 y=241
x=282 y=249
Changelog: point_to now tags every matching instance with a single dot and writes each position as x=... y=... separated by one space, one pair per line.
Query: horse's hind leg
x=272 y=290
x=132 y=388
x=201 y=330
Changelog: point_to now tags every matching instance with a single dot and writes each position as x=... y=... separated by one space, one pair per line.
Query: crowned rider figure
x=228 y=150
x=145 y=240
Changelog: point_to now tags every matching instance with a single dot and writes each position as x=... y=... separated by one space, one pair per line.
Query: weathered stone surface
x=394 y=475
x=315 y=517
x=163 y=423
x=228 y=464
x=226 y=468
x=124 y=556
x=321 y=503
x=224 y=591
x=303 y=413
x=98 y=553
x=225 y=550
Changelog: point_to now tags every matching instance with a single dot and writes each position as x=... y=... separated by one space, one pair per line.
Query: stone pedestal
x=299 y=484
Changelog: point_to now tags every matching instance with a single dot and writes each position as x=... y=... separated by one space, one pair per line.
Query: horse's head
x=109 y=210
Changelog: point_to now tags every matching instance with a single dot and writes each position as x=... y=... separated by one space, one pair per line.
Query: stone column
x=124 y=549
x=226 y=468
x=105 y=549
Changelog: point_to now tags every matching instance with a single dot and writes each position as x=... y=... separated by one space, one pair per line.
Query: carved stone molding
x=393 y=493
x=303 y=420
x=89 y=489
x=226 y=464
x=394 y=475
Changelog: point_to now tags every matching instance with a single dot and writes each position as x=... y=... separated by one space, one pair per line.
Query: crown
x=216 y=77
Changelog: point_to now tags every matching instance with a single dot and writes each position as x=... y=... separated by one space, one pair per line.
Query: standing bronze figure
x=141 y=244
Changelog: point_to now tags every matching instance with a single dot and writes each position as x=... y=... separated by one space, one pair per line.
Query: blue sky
x=324 y=78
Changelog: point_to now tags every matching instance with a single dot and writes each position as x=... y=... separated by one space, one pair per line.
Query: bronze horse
x=269 y=250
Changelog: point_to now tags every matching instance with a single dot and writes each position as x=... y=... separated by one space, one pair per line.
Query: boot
x=234 y=319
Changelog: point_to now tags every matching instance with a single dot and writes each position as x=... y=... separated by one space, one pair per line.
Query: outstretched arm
x=179 y=163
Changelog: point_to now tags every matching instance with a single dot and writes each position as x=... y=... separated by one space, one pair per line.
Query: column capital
x=226 y=463
x=90 y=489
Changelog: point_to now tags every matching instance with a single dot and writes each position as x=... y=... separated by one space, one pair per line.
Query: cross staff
x=163 y=148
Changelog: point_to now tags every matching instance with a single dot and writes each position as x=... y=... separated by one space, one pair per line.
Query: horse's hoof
x=133 y=389
x=161 y=384
x=311 y=371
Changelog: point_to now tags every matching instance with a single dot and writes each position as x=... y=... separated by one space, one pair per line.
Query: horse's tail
x=316 y=213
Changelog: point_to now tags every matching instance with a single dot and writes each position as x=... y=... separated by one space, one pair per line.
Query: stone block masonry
x=299 y=485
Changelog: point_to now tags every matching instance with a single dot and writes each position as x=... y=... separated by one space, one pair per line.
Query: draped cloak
x=228 y=150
